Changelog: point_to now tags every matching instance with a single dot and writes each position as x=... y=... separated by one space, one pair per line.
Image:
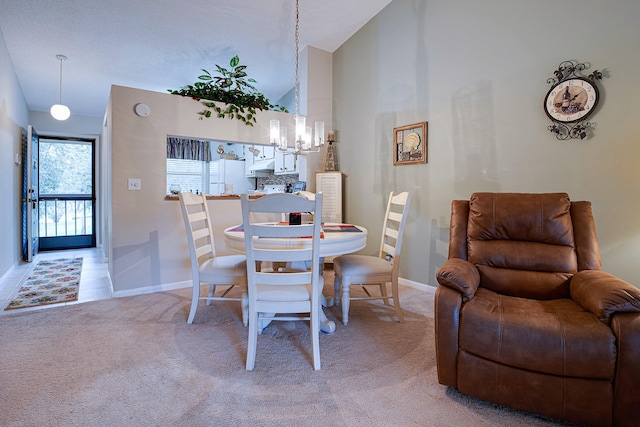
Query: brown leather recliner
x=524 y=316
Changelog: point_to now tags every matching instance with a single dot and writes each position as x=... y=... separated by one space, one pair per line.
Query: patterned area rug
x=50 y=282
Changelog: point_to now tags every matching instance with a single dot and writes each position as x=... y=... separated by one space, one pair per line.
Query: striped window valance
x=188 y=149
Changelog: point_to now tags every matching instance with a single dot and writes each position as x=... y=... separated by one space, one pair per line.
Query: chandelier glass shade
x=278 y=135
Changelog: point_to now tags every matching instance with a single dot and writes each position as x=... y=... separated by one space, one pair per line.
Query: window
x=188 y=164
x=192 y=166
x=188 y=175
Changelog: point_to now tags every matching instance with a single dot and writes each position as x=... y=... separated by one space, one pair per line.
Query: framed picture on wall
x=410 y=144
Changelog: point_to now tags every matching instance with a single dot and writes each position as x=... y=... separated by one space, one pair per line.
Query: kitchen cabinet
x=258 y=153
x=266 y=152
x=286 y=164
x=248 y=161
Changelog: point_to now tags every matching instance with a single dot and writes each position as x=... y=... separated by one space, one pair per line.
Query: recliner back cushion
x=522 y=244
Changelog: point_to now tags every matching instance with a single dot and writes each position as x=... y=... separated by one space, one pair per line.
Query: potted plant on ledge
x=230 y=94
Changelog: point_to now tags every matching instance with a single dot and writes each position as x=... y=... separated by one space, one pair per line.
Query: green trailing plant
x=233 y=88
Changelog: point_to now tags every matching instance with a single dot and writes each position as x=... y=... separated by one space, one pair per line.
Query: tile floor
x=95 y=283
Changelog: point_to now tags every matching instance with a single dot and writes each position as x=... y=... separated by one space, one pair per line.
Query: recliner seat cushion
x=526 y=283
x=556 y=337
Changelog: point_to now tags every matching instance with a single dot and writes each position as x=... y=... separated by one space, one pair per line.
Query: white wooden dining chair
x=293 y=291
x=378 y=271
x=207 y=268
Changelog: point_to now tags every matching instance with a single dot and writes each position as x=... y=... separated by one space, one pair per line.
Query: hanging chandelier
x=60 y=111
x=305 y=139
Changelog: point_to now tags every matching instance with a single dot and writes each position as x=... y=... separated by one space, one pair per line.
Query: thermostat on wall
x=142 y=110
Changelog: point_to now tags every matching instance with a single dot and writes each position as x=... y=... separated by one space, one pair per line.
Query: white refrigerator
x=228 y=177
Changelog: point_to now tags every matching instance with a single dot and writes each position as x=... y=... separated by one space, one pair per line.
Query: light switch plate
x=135 y=184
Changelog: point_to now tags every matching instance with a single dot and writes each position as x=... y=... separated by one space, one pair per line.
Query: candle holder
x=330 y=162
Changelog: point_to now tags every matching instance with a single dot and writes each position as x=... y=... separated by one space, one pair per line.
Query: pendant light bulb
x=60 y=111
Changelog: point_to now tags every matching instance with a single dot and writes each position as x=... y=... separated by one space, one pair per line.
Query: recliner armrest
x=461 y=276
x=604 y=294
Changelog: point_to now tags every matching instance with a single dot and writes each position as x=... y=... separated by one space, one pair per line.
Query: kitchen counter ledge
x=222 y=197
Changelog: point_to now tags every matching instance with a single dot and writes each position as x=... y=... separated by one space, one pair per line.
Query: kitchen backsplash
x=277 y=179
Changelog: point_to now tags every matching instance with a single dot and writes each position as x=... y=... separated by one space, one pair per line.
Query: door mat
x=51 y=282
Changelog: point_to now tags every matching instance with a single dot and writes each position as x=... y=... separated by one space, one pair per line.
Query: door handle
x=32 y=201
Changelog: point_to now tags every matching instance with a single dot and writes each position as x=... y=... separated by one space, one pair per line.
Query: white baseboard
x=152 y=289
x=187 y=284
x=416 y=285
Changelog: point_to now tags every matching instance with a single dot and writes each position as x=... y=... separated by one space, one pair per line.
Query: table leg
x=327 y=301
x=327 y=326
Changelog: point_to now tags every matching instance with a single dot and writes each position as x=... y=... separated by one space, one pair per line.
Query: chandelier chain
x=297 y=34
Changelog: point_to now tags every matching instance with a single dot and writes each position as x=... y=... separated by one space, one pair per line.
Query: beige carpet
x=135 y=362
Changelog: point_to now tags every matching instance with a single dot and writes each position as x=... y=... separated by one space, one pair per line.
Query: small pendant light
x=60 y=111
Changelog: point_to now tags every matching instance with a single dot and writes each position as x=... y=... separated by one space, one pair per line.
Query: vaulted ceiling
x=163 y=44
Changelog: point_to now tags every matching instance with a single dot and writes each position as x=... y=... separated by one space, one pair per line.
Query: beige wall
x=13 y=119
x=477 y=72
x=147 y=248
x=316 y=99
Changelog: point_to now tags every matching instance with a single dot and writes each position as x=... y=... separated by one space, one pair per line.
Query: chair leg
x=384 y=293
x=244 y=305
x=336 y=290
x=345 y=302
x=195 y=297
x=315 y=338
x=396 y=300
x=252 y=341
x=212 y=291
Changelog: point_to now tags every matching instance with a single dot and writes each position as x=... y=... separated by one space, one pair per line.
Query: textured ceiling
x=162 y=44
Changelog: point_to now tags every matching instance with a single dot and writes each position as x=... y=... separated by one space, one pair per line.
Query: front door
x=30 y=195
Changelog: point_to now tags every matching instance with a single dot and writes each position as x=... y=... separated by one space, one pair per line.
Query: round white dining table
x=338 y=239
